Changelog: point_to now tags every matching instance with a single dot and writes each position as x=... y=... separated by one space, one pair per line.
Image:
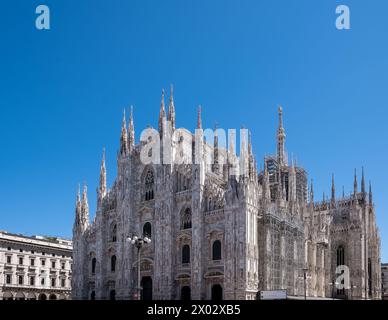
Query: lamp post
x=138 y=243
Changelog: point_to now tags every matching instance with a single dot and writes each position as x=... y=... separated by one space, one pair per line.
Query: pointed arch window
x=147 y=230
x=216 y=250
x=186 y=254
x=149 y=186
x=113 y=264
x=340 y=256
x=370 y=277
x=94 y=261
x=114 y=233
x=340 y=262
x=186 y=219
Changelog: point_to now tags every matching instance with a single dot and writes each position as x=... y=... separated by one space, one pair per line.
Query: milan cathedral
x=218 y=235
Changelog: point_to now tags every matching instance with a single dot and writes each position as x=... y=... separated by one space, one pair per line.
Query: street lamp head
x=129 y=239
x=135 y=238
x=133 y=241
x=147 y=240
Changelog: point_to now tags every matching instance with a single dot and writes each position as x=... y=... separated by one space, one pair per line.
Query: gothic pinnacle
x=78 y=205
x=363 y=182
x=85 y=206
x=312 y=192
x=355 y=182
x=215 y=150
x=131 y=132
x=123 y=137
x=102 y=188
x=281 y=139
x=162 y=116
x=171 y=109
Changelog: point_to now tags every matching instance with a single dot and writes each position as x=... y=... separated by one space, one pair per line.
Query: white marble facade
x=218 y=235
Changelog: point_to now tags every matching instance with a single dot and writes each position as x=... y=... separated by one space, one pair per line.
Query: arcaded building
x=35 y=268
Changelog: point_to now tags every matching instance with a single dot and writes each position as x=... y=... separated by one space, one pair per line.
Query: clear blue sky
x=62 y=91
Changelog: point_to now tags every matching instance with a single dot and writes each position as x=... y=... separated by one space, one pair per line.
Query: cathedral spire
x=84 y=202
x=131 y=132
x=78 y=207
x=123 y=137
x=171 y=108
x=355 y=182
x=251 y=163
x=84 y=210
x=363 y=182
x=199 y=120
x=312 y=193
x=281 y=136
x=162 y=116
x=332 y=190
x=215 y=150
x=370 y=193
x=102 y=187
